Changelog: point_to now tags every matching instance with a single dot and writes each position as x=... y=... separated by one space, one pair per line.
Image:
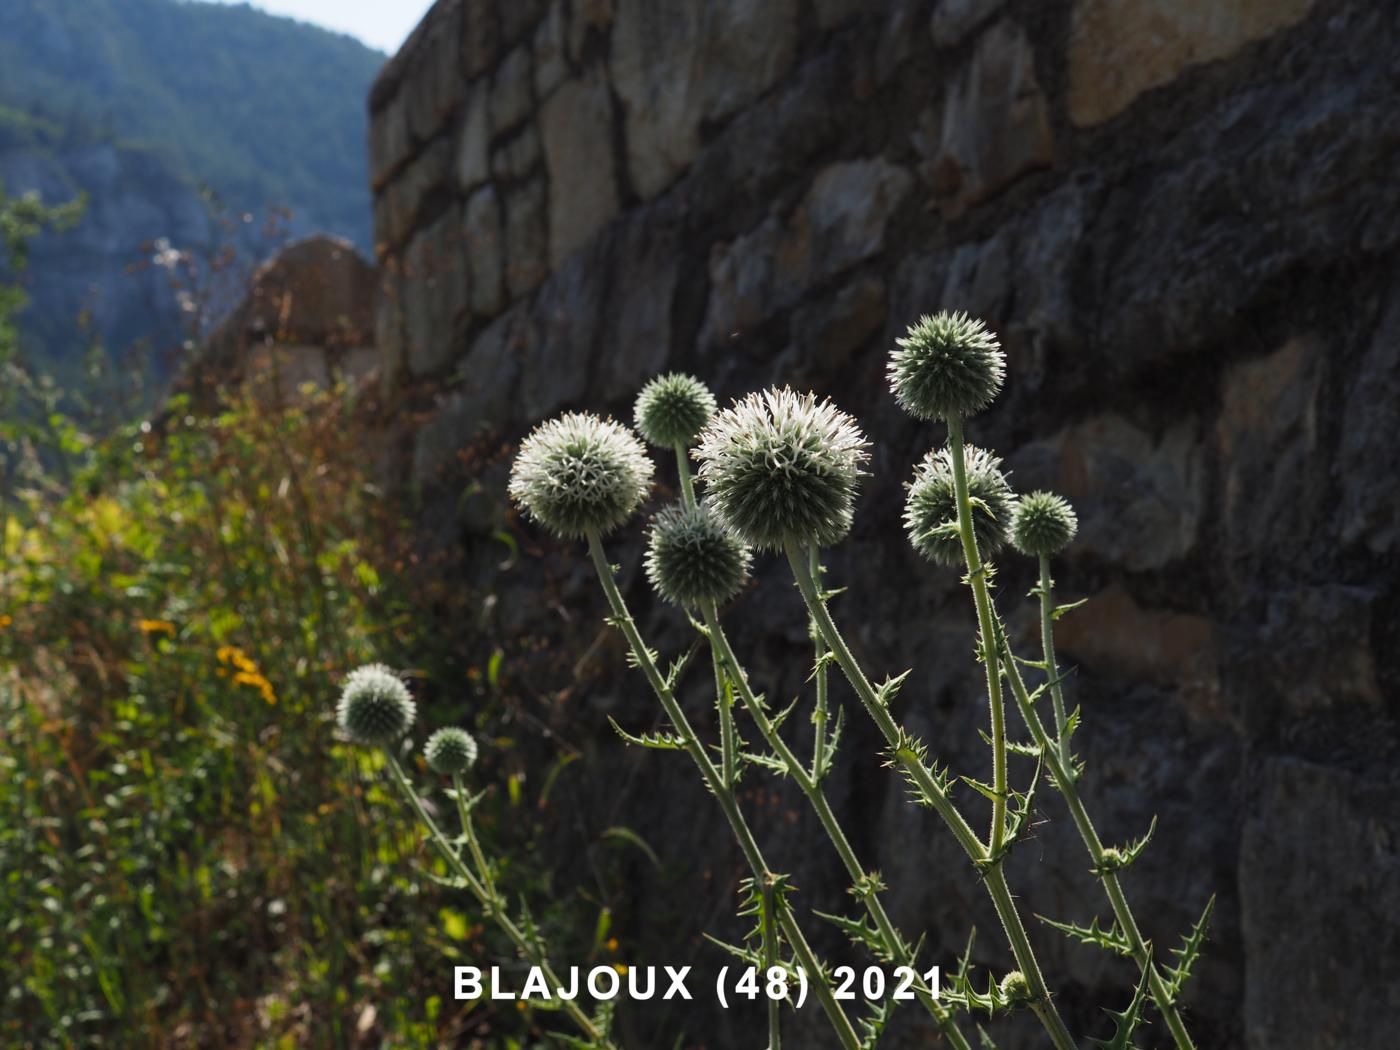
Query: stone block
x=576 y=126
x=527 y=237
x=485 y=251
x=511 y=94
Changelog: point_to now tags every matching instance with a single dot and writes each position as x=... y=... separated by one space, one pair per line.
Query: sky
x=382 y=24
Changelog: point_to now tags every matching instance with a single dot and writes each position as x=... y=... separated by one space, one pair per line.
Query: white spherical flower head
x=782 y=468
x=450 y=750
x=578 y=474
x=1042 y=524
x=375 y=706
x=948 y=366
x=931 y=511
x=693 y=558
x=672 y=409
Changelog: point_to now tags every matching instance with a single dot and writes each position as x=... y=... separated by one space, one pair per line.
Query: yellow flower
x=154 y=627
x=5 y=620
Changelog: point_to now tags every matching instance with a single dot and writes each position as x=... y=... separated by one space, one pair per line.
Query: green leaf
x=1126 y=1022
x=1189 y=952
x=1111 y=939
x=630 y=837
x=656 y=741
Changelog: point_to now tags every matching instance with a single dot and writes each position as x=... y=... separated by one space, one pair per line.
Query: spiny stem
x=937 y=799
x=893 y=943
x=722 y=792
x=683 y=468
x=769 y=938
x=724 y=697
x=819 y=711
x=469 y=833
x=1047 y=645
x=977 y=579
x=1064 y=780
x=491 y=903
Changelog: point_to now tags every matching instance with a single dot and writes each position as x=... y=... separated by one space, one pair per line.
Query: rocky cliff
x=1181 y=217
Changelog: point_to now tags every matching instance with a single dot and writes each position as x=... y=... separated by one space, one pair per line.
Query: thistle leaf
x=1126 y=1022
x=887 y=692
x=859 y=932
x=1068 y=607
x=831 y=744
x=772 y=763
x=656 y=741
x=782 y=715
x=1189 y=952
x=1111 y=939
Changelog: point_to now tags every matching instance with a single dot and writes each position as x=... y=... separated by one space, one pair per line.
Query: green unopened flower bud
x=948 y=366
x=693 y=558
x=375 y=706
x=931 y=511
x=450 y=750
x=672 y=409
x=1042 y=524
x=781 y=467
x=1015 y=989
x=577 y=473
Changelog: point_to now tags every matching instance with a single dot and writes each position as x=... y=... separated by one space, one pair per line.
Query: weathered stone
x=1319 y=877
x=1272 y=480
x=551 y=63
x=995 y=121
x=639 y=313
x=517 y=157
x=576 y=125
x=566 y=316
x=473 y=141
x=481 y=35
x=1140 y=497
x=435 y=88
x=839 y=223
x=1120 y=48
x=517 y=17
x=677 y=67
x=511 y=98
x=1316 y=646
x=527 y=237
x=1111 y=632
x=953 y=20
x=588 y=18
x=481 y=219
x=827 y=333
x=1370 y=513
x=389 y=141
x=831 y=13
x=406 y=193
x=434 y=293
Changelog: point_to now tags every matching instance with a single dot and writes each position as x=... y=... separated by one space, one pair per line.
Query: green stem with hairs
x=936 y=797
x=1067 y=784
x=491 y=903
x=895 y=947
x=977 y=579
x=819 y=710
x=469 y=833
x=1047 y=645
x=763 y=875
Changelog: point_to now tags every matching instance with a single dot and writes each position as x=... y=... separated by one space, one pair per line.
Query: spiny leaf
x=1126 y=1022
x=748 y=955
x=1061 y=610
x=1121 y=858
x=782 y=715
x=1189 y=952
x=1111 y=939
x=657 y=741
x=831 y=744
x=858 y=931
x=678 y=667
x=985 y=790
x=887 y=691
x=872 y=1025
x=772 y=763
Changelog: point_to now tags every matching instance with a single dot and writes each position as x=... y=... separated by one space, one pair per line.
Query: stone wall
x=1183 y=219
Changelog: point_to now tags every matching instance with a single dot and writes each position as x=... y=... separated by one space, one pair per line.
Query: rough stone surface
x=677 y=66
x=527 y=237
x=481 y=229
x=1200 y=305
x=511 y=86
x=576 y=124
x=995 y=121
x=953 y=20
x=1120 y=48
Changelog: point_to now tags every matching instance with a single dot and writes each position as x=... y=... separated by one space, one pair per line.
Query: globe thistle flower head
x=672 y=409
x=450 y=750
x=1015 y=989
x=781 y=467
x=931 y=509
x=375 y=706
x=948 y=366
x=1042 y=524
x=693 y=558
x=578 y=473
